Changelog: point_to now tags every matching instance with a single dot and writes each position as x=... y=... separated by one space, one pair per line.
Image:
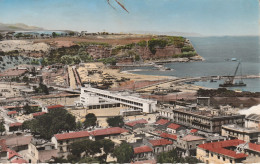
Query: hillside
x=124 y=49
x=109 y=49
x=18 y=27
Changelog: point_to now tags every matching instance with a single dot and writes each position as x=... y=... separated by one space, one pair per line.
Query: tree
x=1 y=37
x=90 y=120
x=173 y=157
x=117 y=121
x=56 y=121
x=2 y=127
x=27 y=109
x=54 y=34
x=108 y=147
x=124 y=153
x=79 y=125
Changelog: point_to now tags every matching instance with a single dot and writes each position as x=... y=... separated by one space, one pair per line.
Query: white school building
x=90 y=96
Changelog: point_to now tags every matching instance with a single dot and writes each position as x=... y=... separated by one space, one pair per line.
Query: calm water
x=215 y=50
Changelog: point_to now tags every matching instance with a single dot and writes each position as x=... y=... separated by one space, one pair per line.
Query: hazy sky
x=207 y=17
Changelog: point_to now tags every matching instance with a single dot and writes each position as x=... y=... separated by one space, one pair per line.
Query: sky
x=205 y=17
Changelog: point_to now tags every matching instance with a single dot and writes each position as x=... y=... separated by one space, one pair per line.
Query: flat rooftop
x=241 y=129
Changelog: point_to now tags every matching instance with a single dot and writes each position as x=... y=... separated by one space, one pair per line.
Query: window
x=218 y=157
x=190 y=146
x=231 y=161
x=211 y=154
x=224 y=158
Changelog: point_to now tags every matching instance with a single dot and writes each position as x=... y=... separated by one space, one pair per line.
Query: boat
x=213 y=81
x=229 y=82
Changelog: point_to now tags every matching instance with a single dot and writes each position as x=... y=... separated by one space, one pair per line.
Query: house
x=252 y=120
x=14 y=157
x=170 y=137
x=173 y=128
x=47 y=109
x=107 y=133
x=18 y=142
x=194 y=131
x=143 y=153
x=234 y=131
x=12 y=114
x=160 y=145
x=41 y=151
x=38 y=114
x=132 y=125
x=187 y=145
x=62 y=141
x=221 y=152
x=162 y=123
x=11 y=74
x=15 y=126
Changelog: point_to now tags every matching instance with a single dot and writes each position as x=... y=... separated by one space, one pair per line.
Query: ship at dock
x=230 y=81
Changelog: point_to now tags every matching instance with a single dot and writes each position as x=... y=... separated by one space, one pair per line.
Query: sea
x=217 y=52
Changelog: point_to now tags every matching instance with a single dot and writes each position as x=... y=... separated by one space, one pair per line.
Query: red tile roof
x=192 y=138
x=12 y=153
x=55 y=106
x=3 y=145
x=19 y=160
x=170 y=136
x=142 y=149
x=72 y=135
x=162 y=122
x=194 y=130
x=254 y=147
x=160 y=142
x=108 y=131
x=38 y=114
x=173 y=126
x=11 y=112
x=219 y=147
x=133 y=123
x=15 y=124
x=151 y=161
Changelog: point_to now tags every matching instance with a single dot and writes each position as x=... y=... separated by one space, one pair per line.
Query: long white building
x=90 y=95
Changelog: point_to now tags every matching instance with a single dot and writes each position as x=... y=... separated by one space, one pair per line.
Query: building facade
x=136 y=103
x=201 y=120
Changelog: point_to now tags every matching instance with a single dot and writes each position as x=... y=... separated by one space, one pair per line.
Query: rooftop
x=11 y=113
x=253 y=146
x=133 y=123
x=221 y=148
x=108 y=131
x=192 y=138
x=194 y=130
x=255 y=117
x=13 y=72
x=173 y=126
x=19 y=160
x=160 y=142
x=72 y=135
x=81 y=134
x=117 y=94
x=38 y=114
x=55 y=106
x=15 y=124
x=142 y=149
x=162 y=122
x=241 y=129
x=170 y=136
